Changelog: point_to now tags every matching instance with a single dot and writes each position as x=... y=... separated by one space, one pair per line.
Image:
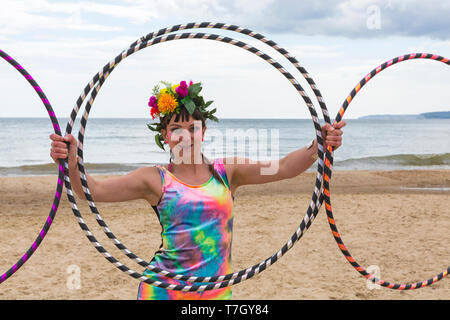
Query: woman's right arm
x=138 y=184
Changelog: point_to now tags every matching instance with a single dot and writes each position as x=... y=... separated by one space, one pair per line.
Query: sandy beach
x=396 y=220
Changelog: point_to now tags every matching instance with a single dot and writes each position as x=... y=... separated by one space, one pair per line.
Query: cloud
x=348 y=18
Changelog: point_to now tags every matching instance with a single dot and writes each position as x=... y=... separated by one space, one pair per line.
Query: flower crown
x=168 y=101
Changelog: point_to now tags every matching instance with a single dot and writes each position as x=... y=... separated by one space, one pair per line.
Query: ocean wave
x=389 y=162
x=397 y=161
x=51 y=169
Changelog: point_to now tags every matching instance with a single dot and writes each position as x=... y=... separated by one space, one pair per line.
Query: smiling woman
x=195 y=207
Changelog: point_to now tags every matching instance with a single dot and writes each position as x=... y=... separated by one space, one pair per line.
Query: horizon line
x=224 y=118
x=227 y=118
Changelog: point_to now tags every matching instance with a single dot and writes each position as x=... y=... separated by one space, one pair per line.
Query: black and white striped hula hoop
x=100 y=77
x=59 y=186
x=326 y=185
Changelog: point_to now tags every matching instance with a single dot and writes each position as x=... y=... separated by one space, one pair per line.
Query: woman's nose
x=181 y=135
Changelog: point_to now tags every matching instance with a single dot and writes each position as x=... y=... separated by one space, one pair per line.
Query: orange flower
x=167 y=103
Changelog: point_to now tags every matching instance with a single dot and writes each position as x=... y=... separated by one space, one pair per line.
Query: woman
x=192 y=196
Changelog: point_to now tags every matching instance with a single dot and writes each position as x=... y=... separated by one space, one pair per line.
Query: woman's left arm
x=245 y=172
x=301 y=160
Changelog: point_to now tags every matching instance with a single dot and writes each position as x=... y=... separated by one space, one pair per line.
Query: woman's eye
x=192 y=129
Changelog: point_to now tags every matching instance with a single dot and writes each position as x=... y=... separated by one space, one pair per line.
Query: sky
x=63 y=44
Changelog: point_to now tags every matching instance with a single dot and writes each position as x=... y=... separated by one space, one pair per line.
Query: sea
x=118 y=146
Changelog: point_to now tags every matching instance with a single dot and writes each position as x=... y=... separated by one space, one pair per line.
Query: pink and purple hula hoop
x=59 y=187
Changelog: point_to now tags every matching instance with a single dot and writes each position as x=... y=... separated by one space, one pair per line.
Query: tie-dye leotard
x=197 y=223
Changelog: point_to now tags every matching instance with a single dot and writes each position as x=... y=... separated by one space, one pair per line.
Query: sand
x=404 y=232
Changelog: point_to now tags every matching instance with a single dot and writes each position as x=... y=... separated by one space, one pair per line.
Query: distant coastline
x=425 y=115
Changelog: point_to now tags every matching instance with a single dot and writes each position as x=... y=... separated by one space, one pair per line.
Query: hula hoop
x=231 y=278
x=326 y=185
x=59 y=186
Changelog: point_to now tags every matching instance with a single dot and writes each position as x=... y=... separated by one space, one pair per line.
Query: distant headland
x=425 y=115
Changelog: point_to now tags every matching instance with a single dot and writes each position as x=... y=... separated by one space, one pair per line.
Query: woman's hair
x=197 y=115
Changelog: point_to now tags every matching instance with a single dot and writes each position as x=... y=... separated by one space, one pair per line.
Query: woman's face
x=184 y=137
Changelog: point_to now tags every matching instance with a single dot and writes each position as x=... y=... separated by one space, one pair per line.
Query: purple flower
x=182 y=89
x=152 y=102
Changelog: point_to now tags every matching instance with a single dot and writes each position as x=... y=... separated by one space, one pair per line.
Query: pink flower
x=190 y=83
x=152 y=102
x=182 y=89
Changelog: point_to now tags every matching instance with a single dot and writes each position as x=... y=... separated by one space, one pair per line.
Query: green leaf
x=195 y=89
x=207 y=104
x=154 y=126
x=189 y=104
x=158 y=140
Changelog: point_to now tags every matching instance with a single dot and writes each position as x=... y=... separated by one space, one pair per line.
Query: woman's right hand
x=59 y=149
x=141 y=183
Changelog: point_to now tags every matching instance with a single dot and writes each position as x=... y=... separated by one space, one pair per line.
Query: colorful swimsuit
x=197 y=223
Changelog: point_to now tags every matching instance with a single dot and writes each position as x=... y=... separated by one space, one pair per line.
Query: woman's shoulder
x=226 y=165
x=231 y=160
x=151 y=168
x=151 y=177
x=228 y=162
x=162 y=166
x=218 y=163
x=148 y=173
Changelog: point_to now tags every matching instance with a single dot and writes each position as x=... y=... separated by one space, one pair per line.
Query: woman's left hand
x=332 y=135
